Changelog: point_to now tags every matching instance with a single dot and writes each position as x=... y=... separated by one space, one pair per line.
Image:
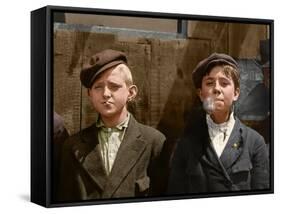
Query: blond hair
x=126 y=72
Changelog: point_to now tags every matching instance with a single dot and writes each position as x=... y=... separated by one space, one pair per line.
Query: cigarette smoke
x=209 y=105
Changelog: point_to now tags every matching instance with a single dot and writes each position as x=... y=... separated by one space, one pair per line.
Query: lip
x=217 y=99
x=107 y=102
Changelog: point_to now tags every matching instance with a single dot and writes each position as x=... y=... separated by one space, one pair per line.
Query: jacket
x=196 y=168
x=134 y=173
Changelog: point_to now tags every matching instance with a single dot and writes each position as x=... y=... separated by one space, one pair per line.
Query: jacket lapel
x=230 y=154
x=128 y=154
x=203 y=150
x=233 y=148
x=209 y=156
x=88 y=155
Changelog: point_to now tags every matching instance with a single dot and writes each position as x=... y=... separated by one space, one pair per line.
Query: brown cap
x=208 y=63
x=99 y=63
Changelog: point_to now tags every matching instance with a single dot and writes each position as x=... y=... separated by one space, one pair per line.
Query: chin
x=109 y=113
x=218 y=111
x=220 y=107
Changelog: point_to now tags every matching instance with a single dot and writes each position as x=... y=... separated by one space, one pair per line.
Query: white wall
x=15 y=106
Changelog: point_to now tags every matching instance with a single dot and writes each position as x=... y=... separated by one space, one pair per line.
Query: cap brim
x=104 y=68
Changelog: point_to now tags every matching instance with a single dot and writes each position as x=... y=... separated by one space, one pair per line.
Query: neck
x=220 y=118
x=113 y=121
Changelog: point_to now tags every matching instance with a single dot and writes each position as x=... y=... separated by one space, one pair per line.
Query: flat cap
x=208 y=63
x=100 y=62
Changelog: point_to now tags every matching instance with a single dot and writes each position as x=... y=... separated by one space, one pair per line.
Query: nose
x=217 y=88
x=106 y=92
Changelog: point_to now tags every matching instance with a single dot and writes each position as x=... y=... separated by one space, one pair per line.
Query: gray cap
x=208 y=63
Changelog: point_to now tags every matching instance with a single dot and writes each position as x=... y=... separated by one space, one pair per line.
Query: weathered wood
x=67 y=64
x=164 y=65
x=244 y=40
x=215 y=32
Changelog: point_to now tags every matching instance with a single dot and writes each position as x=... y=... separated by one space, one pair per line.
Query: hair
x=229 y=71
x=126 y=72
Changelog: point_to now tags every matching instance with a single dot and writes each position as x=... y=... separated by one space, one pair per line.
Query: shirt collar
x=226 y=126
x=120 y=126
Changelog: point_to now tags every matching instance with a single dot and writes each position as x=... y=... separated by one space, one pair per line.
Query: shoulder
x=82 y=136
x=249 y=133
x=146 y=131
x=250 y=137
x=196 y=130
x=154 y=138
x=150 y=132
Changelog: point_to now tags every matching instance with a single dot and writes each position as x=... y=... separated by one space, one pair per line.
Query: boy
x=217 y=152
x=116 y=156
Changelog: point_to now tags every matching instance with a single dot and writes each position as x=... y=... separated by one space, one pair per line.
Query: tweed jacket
x=196 y=168
x=134 y=173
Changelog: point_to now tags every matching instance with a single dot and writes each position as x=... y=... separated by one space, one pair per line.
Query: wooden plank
x=244 y=40
x=67 y=65
x=216 y=32
x=164 y=65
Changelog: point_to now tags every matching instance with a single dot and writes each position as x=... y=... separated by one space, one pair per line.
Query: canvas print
x=156 y=107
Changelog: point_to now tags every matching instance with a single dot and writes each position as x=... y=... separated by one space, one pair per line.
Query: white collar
x=226 y=127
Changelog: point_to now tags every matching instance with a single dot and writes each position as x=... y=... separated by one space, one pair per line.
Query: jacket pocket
x=242 y=166
x=142 y=185
x=241 y=176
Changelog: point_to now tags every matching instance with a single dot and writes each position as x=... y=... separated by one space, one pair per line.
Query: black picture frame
x=43 y=52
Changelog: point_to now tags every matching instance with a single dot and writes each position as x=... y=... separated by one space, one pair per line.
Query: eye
x=98 y=86
x=224 y=83
x=114 y=86
x=209 y=83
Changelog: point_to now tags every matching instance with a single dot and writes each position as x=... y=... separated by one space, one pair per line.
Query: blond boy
x=116 y=157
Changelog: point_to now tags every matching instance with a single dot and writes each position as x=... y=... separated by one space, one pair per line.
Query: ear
x=199 y=93
x=236 y=94
x=133 y=90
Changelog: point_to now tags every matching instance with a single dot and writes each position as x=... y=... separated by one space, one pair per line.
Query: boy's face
x=220 y=88
x=109 y=94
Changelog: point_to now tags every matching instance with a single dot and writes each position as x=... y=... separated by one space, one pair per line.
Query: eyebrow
x=208 y=78
x=109 y=82
x=98 y=82
x=212 y=78
x=114 y=83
